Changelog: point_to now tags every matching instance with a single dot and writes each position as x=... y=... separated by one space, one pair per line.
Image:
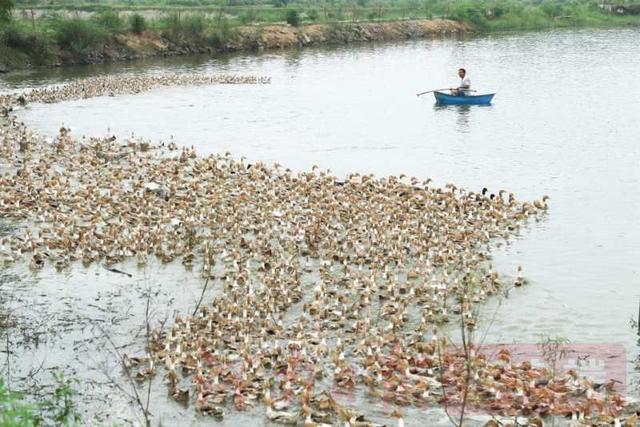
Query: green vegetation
x=58 y=408
x=6 y=6
x=78 y=36
x=293 y=17
x=496 y=15
x=485 y=14
x=14 y=411
x=109 y=20
x=137 y=23
x=19 y=45
x=174 y=25
x=74 y=31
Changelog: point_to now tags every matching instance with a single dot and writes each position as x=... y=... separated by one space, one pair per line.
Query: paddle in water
x=438 y=90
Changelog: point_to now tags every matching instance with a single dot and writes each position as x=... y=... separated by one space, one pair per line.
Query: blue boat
x=444 y=99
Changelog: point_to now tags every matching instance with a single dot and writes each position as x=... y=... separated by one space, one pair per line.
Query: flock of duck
x=325 y=287
x=111 y=85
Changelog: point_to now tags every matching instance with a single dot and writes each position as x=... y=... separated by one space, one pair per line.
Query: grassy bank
x=53 y=407
x=108 y=37
x=495 y=15
x=490 y=14
x=92 y=32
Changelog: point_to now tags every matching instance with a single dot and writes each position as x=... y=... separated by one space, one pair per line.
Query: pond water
x=564 y=123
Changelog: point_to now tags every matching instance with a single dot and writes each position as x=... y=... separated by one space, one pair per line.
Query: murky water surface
x=564 y=123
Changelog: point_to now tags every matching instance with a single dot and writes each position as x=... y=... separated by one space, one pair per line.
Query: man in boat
x=465 y=84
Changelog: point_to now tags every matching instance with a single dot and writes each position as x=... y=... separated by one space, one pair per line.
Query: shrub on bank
x=78 y=35
x=470 y=12
x=336 y=14
x=313 y=15
x=193 y=25
x=169 y=23
x=221 y=34
x=109 y=20
x=137 y=23
x=6 y=6
x=178 y=27
x=24 y=45
x=247 y=17
x=293 y=18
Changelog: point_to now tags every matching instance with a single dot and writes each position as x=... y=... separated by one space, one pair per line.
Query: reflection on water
x=356 y=110
x=462 y=114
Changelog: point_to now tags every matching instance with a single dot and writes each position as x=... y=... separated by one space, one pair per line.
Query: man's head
x=462 y=72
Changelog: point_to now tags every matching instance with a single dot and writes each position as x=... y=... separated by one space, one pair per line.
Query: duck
x=520 y=280
x=542 y=203
x=314 y=277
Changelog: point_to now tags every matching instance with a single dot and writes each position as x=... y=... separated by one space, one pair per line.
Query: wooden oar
x=446 y=88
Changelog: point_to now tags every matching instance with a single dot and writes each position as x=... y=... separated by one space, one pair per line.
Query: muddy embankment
x=129 y=46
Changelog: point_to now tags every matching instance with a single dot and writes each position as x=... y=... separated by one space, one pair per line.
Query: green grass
x=79 y=36
x=21 y=44
x=62 y=31
x=137 y=23
x=56 y=408
x=495 y=15
x=491 y=15
x=14 y=411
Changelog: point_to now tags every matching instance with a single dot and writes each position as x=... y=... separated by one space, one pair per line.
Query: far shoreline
x=127 y=47
x=152 y=44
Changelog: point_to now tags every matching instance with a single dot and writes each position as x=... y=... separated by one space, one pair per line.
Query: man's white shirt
x=465 y=82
